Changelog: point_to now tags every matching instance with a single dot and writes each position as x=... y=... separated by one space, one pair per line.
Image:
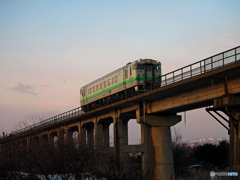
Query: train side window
x=116 y=79
x=130 y=71
x=112 y=80
x=84 y=92
x=90 y=90
x=105 y=84
x=97 y=87
x=101 y=86
x=93 y=89
x=109 y=82
x=126 y=74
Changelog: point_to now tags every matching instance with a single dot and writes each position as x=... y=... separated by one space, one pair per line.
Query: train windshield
x=148 y=67
x=140 y=66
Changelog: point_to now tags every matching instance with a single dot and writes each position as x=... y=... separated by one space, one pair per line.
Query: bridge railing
x=200 y=67
x=66 y=115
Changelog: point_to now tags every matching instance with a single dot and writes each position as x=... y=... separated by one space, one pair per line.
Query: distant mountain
x=204 y=140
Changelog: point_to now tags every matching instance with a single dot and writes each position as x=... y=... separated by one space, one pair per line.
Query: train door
x=124 y=77
x=149 y=73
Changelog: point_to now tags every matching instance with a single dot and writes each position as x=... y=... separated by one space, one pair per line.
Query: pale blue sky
x=49 y=49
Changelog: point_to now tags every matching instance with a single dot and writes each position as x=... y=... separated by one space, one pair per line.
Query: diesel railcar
x=134 y=77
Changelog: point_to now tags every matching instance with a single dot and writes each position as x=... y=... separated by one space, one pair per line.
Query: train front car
x=135 y=77
x=148 y=74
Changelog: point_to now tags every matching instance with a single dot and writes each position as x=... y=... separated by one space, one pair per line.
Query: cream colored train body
x=135 y=76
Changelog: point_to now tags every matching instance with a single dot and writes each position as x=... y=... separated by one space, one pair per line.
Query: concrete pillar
x=1 y=153
x=43 y=140
x=98 y=134
x=51 y=140
x=106 y=134
x=234 y=159
x=8 y=149
x=19 y=146
x=69 y=136
x=144 y=141
x=35 y=143
x=81 y=135
x=13 y=150
x=24 y=145
x=25 y=149
x=90 y=140
x=30 y=145
x=159 y=156
x=120 y=132
x=61 y=136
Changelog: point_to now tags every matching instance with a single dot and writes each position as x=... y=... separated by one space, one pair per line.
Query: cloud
x=64 y=80
x=45 y=86
x=22 y=88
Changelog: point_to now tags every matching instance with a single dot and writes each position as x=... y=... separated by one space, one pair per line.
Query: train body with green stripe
x=129 y=79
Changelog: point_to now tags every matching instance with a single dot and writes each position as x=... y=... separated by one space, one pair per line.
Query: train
x=134 y=77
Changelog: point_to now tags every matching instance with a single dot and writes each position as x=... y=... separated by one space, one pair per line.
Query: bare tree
x=176 y=136
x=27 y=122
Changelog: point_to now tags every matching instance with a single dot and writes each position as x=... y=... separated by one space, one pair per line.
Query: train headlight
x=157 y=61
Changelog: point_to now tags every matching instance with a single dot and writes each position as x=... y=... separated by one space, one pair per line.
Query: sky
x=50 y=49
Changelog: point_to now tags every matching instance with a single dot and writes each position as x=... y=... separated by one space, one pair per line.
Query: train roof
x=119 y=69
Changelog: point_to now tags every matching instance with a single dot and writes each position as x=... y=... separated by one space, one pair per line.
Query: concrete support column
x=98 y=134
x=69 y=136
x=120 y=139
x=1 y=153
x=51 y=140
x=82 y=135
x=43 y=140
x=24 y=145
x=19 y=146
x=24 y=149
x=234 y=160
x=35 y=143
x=7 y=152
x=144 y=141
x=90 y=139
x=61 y=136
x=159 y=156
x=106 y=134
x=12 y=150
x=30 y=145
x=160 y=152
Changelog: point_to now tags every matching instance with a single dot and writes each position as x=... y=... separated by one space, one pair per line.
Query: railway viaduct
x=212 y=82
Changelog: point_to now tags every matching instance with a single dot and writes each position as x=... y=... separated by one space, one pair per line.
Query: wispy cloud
x=45 y=86
x=22 y=88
